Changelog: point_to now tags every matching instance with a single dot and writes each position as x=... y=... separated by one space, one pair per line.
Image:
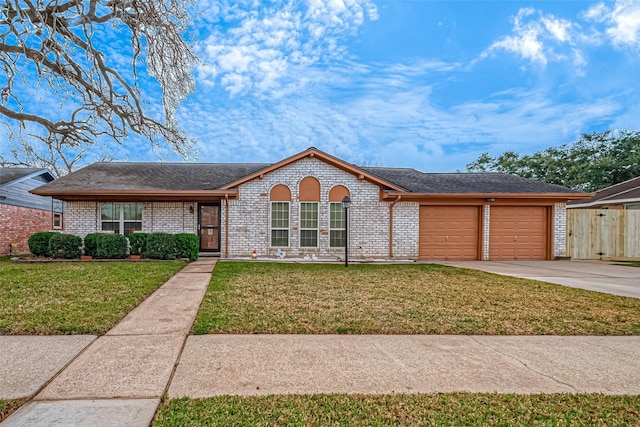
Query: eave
x=139 y=195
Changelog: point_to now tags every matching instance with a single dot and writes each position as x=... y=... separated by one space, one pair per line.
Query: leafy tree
x=64 y=86
x=593 y=162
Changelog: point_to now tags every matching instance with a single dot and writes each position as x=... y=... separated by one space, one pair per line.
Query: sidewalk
x=303 y=364
x=119 y=378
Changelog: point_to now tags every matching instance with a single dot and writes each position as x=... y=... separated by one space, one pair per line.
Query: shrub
x=91 y=244
x=111 y=246
x=187 y=246
x=160 y=246
x=39 y=243
x=65 y=246
x=137 y=243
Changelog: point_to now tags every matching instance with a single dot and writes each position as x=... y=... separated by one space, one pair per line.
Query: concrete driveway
x=592 y=275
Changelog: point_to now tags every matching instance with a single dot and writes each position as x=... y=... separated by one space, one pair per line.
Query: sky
x=423 y=84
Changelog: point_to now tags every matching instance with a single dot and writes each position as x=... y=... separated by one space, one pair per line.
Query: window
x=57 y=221
x=632 y=207
x=337 y=219
x=280 y=197
x=279 y=224
x=122 y=218
x=337 y=232
x=309 y=224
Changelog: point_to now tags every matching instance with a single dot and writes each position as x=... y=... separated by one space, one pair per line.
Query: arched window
x=337 y=233
x=280 y=198
x=309 y=196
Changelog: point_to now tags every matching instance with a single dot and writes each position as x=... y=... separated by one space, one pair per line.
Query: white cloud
x=622 y=21
x=252 y=44
x=388 y=117
x=540 y=38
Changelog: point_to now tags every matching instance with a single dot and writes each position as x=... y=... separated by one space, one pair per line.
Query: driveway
x=592 y=275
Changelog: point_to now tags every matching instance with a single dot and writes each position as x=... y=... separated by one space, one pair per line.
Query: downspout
x=226 y=225
x=391 y=225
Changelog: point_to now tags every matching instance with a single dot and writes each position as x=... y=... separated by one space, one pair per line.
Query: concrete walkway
x=119 y=378
x=592 y=275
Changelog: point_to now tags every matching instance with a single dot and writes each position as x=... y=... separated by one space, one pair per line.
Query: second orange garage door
x=449 y=232
x=518 y=232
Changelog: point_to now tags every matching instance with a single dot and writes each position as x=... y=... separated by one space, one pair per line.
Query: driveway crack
x=509 y=356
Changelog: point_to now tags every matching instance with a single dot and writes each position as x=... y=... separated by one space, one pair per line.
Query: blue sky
x=423 y=84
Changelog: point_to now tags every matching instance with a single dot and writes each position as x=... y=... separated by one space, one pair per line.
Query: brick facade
x=249 y=216
x=18 y=223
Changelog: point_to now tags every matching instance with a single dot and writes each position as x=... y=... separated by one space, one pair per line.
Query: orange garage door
x=449 y=232
x=518 y=232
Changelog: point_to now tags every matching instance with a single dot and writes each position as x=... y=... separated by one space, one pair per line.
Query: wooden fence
x=608 y=234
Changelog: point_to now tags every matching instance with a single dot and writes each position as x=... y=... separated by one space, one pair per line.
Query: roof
x=181 y=181
x=138 y=176
x=623 y=192
x=465 y=182
x=8 y=175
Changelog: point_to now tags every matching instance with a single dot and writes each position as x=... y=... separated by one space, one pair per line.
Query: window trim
x=272 y=228
x=53 y=221
x=301 y=229
x=343 y=229
x=121 y=221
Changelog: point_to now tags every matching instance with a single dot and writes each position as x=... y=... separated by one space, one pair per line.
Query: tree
x=593 y=162
x=59 y=53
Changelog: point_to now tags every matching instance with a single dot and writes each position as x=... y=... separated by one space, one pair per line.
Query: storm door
x=209 y=227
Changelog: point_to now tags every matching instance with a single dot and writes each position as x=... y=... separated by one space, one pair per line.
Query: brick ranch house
x=294 y=206
x=23 y=213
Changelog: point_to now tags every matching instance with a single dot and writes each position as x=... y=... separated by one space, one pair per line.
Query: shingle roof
x=211 y=176
x=153 y=176
x=626 y=190
x=467 y=182
x=11 y=174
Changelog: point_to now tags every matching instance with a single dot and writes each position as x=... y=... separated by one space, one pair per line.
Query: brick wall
x=368 y=216
x=84 y=217
x=560 y=230
x=18 y=223
x=486 y=223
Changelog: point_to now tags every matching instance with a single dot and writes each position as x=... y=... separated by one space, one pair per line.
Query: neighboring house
x=294 y=206
x=23 y=213
x=606 y=225
x=625 y=195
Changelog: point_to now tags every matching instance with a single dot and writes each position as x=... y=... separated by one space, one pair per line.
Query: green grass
x=402 y=299
x=630 y=264
x=7 y=407
x=74 y=298
x=447 y=409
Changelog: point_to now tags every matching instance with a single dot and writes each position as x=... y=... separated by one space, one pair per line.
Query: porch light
x=346 y=204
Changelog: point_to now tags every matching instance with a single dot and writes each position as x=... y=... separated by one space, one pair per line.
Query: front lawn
x=75 y=298
x=285 y=298
x=446 y=409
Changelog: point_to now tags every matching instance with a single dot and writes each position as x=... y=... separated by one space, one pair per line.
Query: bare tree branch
x=58 y=50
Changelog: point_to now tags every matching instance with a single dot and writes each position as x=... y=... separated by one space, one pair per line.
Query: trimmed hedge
x=111 y=246
x=187 y=246
x=91 y=243
x=137 y=243
x=65 y=246
x=39 y=243
x=160 y=246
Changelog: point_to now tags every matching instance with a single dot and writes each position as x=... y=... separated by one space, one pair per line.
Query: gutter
x=391 y=225
x=423 y=196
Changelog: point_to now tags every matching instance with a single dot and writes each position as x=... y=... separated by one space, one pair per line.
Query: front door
x=209 y=227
